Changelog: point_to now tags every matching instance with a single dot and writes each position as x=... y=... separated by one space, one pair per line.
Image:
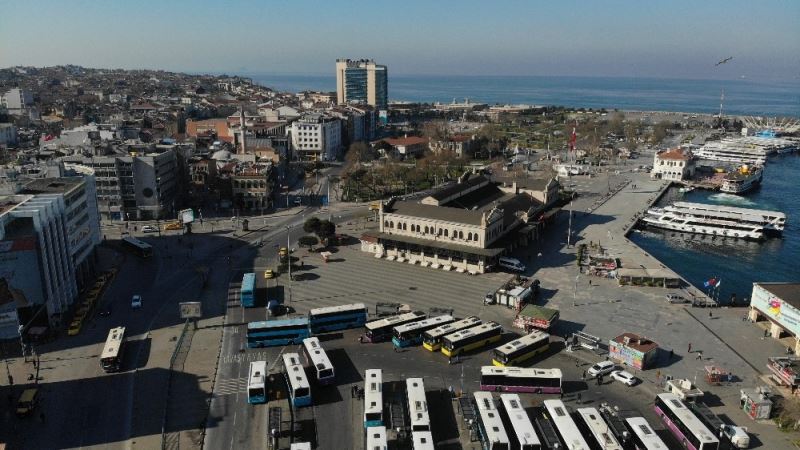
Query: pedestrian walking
x=583 y=377
x=579 y=398
x=690 y=348
x=671 y=354
x=794 y=386
x=361 y=339
x=766 y=332
x=597 y=378
x=710 y=314
x=699 y=355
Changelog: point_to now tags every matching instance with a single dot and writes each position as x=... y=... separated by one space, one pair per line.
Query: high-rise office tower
x=361 y=81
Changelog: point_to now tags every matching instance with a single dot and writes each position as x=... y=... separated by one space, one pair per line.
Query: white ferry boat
x=742 y=179
x=745 y=150
x=717 y=220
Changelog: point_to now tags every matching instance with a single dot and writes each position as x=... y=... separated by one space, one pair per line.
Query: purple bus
x=518 y=379
x=683 y=424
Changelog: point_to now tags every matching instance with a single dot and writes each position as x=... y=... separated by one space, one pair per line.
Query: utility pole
x=569 y=228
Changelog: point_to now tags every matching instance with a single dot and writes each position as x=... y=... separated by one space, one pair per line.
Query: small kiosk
x=633 y=350
x=756 y=403
x=532 y=317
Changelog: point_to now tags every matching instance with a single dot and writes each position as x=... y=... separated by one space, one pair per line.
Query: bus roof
x=136 y=242
x=524 y=341
x=599 y=429
x=417 y=402
x=394 y=320
x=299 y=321
x=339 y=308
x=113 y=342
x=258 y=372
x=376 y=438
x=642 y=429
x=300 y=446
x=490 y=417
x=469 y=332
x=317 y=354
x=422 y=440
x=373 y=388
x=690 y=421
x=520 y=422
x=564 y=425
x=429 y=322
x=294 y=371
x=521 y=372
x=453 y=327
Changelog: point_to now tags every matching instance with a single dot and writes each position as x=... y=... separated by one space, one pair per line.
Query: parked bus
x=340 y=317
x=256 y=383
x=683 y=424
x=643 y=436
x=111 y=358
x=300 y=446
x=318 y=360
x=519 y=379
x=432 y=339
x=381 y=329
x=521 y=349
x=296 y=381
x=564 y=425
x=491 y=431
x=411 y=333
x=247 y=293
x=376 y=438
x=373 y=398
x=590 y=420
x=521 y=433
x=139 y=248
x=417 y=405
x=277 y=332
x=422 y=440
x=471 y=339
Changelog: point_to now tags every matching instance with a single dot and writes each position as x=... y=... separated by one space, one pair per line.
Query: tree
x=326 y=229
x=660 y=131
x=312 y=225
x=308 y=241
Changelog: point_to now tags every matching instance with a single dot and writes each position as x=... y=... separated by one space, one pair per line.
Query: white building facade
x=317 y=138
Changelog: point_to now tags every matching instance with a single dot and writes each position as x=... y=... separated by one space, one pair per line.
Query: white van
x=511 y=264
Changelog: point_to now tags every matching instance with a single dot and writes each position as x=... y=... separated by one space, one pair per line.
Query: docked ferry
x=717 y=220
x=742 y=179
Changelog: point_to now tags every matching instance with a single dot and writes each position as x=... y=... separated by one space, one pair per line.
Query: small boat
x=686 y=189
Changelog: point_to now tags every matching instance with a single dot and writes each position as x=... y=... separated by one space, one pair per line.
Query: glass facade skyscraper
x=362 y=81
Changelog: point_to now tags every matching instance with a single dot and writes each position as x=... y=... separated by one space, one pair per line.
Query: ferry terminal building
x=779 y=303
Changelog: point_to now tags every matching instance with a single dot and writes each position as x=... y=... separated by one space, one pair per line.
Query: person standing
x=690 y=348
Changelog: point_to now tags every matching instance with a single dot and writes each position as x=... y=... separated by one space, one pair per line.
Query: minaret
x=242 y=128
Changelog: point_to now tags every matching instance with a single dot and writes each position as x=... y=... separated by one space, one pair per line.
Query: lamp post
x=575 y=292
x=289 y=259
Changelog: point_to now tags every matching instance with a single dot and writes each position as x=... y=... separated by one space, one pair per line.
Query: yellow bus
x=521 y=349
x=432 y=339
x=471 y=339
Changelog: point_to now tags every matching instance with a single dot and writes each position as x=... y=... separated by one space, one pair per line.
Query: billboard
x=383 y=116
x=20 y=282
x=191 y=310
x=776 y=309
x=187 y=216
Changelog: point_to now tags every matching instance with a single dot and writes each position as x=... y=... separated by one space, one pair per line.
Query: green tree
x=312 y=225
x=326 y=229
x=308 y=241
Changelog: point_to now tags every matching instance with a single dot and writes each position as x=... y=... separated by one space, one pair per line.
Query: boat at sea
x=750 y=150
x=742 y=180
x=717 y=220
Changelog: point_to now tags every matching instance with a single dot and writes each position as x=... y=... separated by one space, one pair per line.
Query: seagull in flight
x=724 y=61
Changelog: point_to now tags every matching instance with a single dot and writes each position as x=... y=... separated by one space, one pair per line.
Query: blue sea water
x=742 y=97
x=736 y=263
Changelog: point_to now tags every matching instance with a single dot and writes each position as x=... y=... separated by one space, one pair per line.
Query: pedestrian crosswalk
x=230 y=386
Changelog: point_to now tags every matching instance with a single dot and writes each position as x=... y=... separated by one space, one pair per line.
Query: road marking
x=230 y=386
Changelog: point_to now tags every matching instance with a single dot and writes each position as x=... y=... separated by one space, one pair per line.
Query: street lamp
x=575 y=293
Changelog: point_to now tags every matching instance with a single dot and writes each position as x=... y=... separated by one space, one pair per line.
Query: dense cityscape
x=207 y=261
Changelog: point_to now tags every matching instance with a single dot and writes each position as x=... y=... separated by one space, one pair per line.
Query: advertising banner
x=776 y=309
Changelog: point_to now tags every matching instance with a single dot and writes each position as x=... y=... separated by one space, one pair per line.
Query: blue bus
x=411 y=333
x=247 y=294
x=277 y=332
x=296 y=380
x=339 y=317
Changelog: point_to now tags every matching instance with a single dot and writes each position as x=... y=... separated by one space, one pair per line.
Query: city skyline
x=673 y=40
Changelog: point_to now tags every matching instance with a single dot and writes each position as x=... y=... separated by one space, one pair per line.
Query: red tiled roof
x=410 y=140
x=636 y=342
x=675 y=153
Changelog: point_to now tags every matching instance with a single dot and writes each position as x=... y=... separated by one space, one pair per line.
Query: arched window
x=461 y=235
x=475 y=237
x=391 y=224
x=405 y=226
x=446 y=232
x=469 y=236
x=426 y=229
x=386 y=224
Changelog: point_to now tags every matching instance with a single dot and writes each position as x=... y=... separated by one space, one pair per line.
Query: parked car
x=675 y=298
x=489 y=298
x=268 y=273
x=624 y=377
x=149 y=229
x=136 y=302
x=601 y=368
x=27 y=401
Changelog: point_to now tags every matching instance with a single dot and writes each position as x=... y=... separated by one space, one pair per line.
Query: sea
x=735 y=263
x=741 y=96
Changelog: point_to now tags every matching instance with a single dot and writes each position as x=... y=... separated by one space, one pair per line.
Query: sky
x=667 y=39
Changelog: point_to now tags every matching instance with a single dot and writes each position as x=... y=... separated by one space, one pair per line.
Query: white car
x=624 y=377
x=149 y=229
x=136 y=302
x=601 y=368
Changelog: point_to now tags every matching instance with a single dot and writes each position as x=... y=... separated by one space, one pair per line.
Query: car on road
x=283 y=252
x=149 y=229
x=75 y=327
x=136 y=302
x=675 y=298
x=624 y=377
x=27 y=401
x=488 y=299
x=269 y=273
x=601 y=368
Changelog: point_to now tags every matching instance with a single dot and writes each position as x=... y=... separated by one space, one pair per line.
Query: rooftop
x=675 y=154
x=409 y=140
x=788 y=292
x=52 y=185
x=636 y=342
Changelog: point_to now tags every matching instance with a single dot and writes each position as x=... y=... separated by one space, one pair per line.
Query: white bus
x=422 y=440
x=296 y=381
x=376 y=438
x=256 y=382
x=111 y=358
x=593 y=423
x=411 y=333
x=565 y=427
x=381 y=329
x=140 y=248
x=373 y=398
x=523 y=434
x=643 y=435
x=683 y=424
x=300 y=446
x=432 y=339
x=417 y=405
x=318 y=360
x=491 y=431
x=521 y=349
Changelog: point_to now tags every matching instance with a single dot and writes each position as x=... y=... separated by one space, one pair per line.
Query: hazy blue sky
x=592 y=38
